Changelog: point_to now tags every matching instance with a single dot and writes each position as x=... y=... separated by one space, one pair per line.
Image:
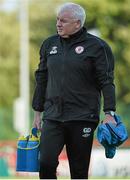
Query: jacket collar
x=76 y=37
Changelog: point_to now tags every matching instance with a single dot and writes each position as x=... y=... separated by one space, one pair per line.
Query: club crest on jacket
x=79 y=49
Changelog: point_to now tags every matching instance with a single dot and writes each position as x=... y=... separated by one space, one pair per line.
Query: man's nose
x=58 y=23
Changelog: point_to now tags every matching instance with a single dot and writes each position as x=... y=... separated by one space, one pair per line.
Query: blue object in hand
x=112 y=136
x=28 y=152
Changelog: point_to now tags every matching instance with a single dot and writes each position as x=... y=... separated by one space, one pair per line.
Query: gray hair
x=77 y=11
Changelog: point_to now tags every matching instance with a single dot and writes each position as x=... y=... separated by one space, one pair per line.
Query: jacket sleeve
x=41 y=82
x=104 y=67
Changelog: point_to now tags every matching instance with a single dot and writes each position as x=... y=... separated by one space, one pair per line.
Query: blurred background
x=24 y=24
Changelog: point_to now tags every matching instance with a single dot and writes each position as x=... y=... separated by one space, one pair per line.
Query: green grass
x=67 y=178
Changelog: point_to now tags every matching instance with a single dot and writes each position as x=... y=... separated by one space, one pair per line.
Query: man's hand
x=109 y=118
x=37 y=120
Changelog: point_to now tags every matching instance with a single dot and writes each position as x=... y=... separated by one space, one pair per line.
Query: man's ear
x=78 y=24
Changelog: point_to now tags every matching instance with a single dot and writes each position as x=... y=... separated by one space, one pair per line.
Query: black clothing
x=71 y=75
x=78 y=137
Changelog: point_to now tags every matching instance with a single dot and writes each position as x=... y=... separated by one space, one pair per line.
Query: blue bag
x=28 y=152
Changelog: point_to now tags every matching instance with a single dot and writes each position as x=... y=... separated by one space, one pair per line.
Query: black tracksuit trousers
x=78 y=138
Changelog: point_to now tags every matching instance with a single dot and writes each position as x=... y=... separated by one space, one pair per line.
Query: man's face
x=67 y=24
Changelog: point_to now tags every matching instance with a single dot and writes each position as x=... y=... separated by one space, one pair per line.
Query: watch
x=112 y=113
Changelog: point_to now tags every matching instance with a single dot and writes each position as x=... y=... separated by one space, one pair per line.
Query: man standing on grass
x=75 y=69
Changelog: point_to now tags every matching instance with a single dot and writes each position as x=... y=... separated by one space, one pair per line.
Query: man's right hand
x=37 y=123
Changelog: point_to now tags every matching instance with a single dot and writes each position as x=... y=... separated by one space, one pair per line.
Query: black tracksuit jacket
x=72 y=75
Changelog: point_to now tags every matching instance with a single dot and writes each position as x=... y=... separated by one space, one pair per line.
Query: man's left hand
x=108 y=119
